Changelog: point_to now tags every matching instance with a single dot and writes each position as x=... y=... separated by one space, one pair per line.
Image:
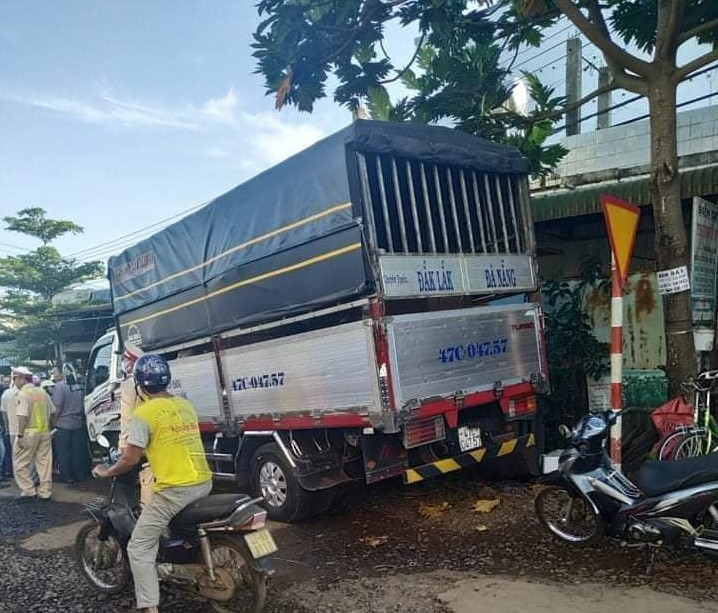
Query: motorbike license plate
x=260 y=543
x=469 y=438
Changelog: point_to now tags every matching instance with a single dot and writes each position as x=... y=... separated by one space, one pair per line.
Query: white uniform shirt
x=8 y=404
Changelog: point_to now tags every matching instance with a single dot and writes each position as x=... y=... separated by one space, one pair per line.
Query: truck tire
x=273 y=479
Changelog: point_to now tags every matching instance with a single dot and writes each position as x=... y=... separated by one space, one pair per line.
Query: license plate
x=469 y=438
x=260 y=543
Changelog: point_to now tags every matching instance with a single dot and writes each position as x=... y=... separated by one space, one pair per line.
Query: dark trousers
x=71 y=447
x=6 y=468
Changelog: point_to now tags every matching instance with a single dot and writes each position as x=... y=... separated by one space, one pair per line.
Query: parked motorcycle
x=664 y=504
x=215 y=548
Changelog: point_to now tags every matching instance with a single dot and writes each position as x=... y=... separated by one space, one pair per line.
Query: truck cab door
x=102 y=409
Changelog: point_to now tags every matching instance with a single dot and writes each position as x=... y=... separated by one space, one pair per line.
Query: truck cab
x=104 y=373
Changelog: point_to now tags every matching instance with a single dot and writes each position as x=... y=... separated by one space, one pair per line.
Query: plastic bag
x=674 y=414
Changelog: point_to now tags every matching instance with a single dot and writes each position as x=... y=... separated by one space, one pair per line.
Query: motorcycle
x=216 y=548
x=664 y=504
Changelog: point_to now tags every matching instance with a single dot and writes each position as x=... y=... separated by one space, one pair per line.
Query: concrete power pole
x=573 y=84
x=603 y=120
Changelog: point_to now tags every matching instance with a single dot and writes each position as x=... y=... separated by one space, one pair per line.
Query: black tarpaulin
x=285 y=241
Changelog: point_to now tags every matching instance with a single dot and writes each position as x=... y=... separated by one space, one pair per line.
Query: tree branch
x=626 y=81
x=704 y=27
x=597 y=35
x=668 y=27
x=578 y=103
x=402 y=72
x=685 y=71
x=618 y=71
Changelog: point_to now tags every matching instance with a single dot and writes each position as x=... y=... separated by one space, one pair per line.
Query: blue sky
x=121 y=114
x=118 y=115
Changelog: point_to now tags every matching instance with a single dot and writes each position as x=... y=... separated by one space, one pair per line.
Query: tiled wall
x=628 y=146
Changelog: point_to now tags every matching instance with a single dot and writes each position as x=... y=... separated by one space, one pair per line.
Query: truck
x=366 y=309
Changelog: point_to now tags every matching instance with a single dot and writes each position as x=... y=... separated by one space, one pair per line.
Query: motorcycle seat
x=655 y=478
x=213 y=507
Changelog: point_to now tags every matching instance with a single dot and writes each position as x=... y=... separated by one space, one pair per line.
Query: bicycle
x=702 y=437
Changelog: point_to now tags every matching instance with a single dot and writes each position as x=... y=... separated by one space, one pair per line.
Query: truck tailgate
x=464 y=351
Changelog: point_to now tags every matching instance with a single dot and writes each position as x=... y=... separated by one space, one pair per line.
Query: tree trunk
x=671 y=244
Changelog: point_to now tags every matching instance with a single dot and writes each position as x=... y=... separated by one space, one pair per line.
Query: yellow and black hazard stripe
x=470 y=458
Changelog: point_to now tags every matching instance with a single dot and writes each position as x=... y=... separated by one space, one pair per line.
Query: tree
x=30 y=281
x=454 y=73
x=300 y=43
x=32 y=221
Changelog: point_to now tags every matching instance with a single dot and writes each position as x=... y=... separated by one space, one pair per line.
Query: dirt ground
x=455 y=544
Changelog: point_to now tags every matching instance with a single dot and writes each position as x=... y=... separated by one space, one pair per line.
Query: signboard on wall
x=673 y=281
x=704 y=261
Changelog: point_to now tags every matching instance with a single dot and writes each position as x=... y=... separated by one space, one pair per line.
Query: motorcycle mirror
x=564 y=431
x=102 y=441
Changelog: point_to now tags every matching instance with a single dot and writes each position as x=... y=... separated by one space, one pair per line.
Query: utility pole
x=573 y=84
x=603 y=120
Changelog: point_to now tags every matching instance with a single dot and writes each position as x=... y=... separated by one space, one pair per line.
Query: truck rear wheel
x=273 y=479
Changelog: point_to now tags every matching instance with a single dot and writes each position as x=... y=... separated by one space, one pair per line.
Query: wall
x=628 y=146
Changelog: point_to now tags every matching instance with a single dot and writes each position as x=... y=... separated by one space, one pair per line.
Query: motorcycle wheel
x=568 y=516
x=250 y=585
x=104 y=564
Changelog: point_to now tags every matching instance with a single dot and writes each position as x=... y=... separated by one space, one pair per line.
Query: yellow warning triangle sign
x=622 y=222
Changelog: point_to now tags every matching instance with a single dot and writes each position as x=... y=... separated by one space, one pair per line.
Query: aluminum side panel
x=329 y=370
x=195 y=378
x=468 y=350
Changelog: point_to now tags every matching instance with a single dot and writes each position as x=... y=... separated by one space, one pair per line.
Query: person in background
x=34 y=410
x=129 y=401
x=3 y=448
x=71 y=438
x=128 y=393
x=7 y=407
x=6 y=466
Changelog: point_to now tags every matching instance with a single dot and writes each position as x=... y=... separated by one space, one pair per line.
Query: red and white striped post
x=622 y=223
x=616 y=359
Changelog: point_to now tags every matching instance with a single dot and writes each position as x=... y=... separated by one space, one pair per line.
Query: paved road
x=398 y=550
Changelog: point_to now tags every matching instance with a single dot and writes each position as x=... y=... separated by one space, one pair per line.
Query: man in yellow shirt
x=165 y=429
x=33 y=411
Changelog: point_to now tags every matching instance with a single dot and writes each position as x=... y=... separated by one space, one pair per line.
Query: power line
x=681 y=104
x=544 y=52
x=16 y=247
x=554 y=35
x=84 y=253
x=638 y=97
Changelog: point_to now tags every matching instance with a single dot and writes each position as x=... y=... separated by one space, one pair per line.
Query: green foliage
x=29 y=281
x=32 y=222
x=636 y=22
x=573 y=351
x=454 y=75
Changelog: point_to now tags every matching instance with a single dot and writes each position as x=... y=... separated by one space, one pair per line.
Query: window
x=99 y=370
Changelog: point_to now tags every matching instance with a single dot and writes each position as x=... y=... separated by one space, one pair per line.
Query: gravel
x=387 y=553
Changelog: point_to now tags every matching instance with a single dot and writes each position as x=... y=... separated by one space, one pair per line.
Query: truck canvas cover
x=285 y=242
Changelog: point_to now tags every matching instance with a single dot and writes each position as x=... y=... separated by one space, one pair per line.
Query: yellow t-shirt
x=168 y=430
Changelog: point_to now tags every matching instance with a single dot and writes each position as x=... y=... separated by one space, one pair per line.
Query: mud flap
x=384 y=456
x=518 y=454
